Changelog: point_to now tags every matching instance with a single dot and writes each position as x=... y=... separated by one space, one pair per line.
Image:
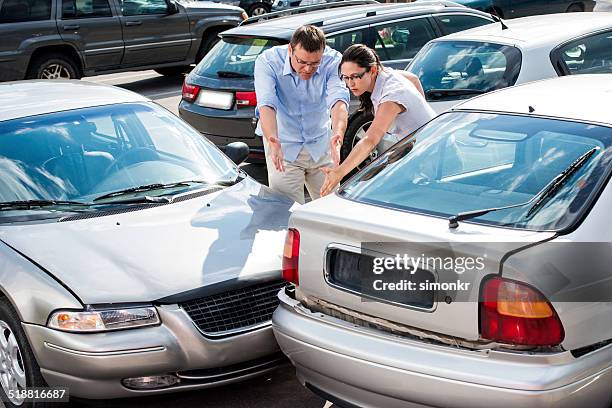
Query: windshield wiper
x=436 y=94
x=540 y=197
x=148 y=187
x=29 y=204
x=232 y=74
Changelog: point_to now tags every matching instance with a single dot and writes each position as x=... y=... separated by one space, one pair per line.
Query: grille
x=235 y=310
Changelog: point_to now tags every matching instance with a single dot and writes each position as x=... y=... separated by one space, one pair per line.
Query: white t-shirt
x=392 y=86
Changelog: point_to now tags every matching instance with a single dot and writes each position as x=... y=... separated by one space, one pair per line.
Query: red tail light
x=515 y=313
x=246 y=99
x=291 y=256
x=190 y=92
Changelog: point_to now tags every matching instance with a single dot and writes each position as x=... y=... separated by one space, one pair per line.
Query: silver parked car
x=504 y=202
x=135 y=257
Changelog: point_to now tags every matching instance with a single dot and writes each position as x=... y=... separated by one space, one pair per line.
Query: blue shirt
x=302 y=106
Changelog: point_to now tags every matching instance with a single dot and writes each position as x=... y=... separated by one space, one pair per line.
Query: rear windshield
x=461 y=69
x=462 y=162
x=234 y=57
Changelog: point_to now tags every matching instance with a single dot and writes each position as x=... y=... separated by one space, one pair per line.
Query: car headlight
x=103 y=320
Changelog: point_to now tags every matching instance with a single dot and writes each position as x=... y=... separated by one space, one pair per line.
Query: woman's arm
x=385 y=115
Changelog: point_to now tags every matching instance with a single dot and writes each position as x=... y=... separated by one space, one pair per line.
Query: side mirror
x=237 y=151
x=172 y=7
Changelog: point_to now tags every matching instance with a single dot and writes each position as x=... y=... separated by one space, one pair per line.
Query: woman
x=395 y=97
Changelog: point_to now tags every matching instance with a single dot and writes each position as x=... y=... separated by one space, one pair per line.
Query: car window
x=340 y=42
x=15 y=11
x=463 y=162
x=85 y=9
x=143 y=7
x=452 y=23
x=234 y=57
x=468 y=66
x=589 y=55
x=402 y=40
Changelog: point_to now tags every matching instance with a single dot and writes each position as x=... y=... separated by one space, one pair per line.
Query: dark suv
x=52 y=39
x=218 y=95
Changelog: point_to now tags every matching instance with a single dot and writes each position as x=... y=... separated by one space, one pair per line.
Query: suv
x=52 y=39
x=218 y=95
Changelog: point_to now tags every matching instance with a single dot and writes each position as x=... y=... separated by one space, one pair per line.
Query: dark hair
x=365 y=57
x=310 y=38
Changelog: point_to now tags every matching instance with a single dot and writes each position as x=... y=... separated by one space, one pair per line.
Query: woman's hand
x=332 y=179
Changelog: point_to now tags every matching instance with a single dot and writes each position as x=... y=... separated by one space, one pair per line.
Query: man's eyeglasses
x=309 y=64
x=353 y=77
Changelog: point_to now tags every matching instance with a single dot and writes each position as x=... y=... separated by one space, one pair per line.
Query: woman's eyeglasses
x=353 y=77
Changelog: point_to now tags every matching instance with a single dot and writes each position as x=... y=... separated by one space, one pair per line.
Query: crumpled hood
x=144 y=255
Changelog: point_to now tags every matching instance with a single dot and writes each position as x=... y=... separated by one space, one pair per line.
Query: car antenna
x=498 y=19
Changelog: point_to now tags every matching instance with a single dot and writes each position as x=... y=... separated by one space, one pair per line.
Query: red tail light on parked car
x=515 y=313
x=291 y=255
x=190 y=92
x=246 y=99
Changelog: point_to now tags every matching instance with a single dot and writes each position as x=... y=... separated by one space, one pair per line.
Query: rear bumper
x=355 y=366
x=93 y=365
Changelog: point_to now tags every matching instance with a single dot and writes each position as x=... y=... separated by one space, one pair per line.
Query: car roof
x=27 y=98
x=577 y=97
x=341 y=18
x=536 y=31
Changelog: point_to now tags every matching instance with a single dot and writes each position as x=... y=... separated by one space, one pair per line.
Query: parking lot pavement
x=603 y=5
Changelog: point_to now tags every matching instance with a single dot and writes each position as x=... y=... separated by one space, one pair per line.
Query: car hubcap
x=12 y=373
x=358 y=136
x=55 y=71
x=259 y=11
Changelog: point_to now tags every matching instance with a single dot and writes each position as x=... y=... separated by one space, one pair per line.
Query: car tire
x=355 y=130
x=259 y=9
x=210 y=39
x=575 y=8
x=172 y=71
x=53 y=66
x=17 y=362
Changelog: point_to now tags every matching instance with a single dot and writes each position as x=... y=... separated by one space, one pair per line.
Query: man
x=298 y=88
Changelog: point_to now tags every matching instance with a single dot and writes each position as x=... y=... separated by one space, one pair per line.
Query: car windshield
x=234 y=57
x=82 y=154
x=462 y=162
x=460 y=69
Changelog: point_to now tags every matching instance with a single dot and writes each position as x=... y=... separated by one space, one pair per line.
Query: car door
x=152 y=33
x=453 y=22
x=95 y=29
x=398 y=42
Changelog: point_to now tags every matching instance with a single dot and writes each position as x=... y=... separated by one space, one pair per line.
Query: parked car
x=136 y=257
x=50 y=39
x=218 y=95
x=252 y=7
x=522 y=8
x=280 y=5
x=519 y=178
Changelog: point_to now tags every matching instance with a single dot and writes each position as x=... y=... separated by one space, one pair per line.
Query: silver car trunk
x=334 y=222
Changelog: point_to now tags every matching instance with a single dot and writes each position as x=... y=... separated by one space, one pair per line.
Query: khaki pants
x=303 y=171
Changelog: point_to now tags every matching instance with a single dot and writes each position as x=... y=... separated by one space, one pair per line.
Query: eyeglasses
x=353 y=77
x=309 y=64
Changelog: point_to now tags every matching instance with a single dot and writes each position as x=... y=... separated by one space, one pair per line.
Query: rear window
x=234 y=57
x=15 y=11
x=589 y=55
x=461 y=69
x=462 y=162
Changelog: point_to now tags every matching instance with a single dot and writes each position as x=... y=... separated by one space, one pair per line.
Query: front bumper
x=356 y=366
x=93 y=365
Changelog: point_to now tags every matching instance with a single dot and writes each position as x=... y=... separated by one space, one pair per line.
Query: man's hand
x=335 y=145
x=275 y=153
x=332 y=179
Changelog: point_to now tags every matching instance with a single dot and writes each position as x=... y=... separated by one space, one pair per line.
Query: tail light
x=515 y=313
x=291 y=255
x=190 y=92
x=246 y=99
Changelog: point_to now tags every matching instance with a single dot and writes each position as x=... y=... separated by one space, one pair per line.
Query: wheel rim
x=12 y=370
x=258 y=11
x=360 y=134
x=55 y=71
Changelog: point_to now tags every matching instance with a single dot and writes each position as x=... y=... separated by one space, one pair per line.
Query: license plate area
x=215 y=99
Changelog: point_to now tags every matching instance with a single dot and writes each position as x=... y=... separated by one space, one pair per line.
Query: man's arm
x=414 y=79
x=339 y=119
x=267 y=101
x=337 y=98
